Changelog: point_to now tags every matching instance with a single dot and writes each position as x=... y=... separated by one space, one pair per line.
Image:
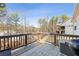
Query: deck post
x=0 y=44
x=25 y=39
x=38 y=36
x=55 y=43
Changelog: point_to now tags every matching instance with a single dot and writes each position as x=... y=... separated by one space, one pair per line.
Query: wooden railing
x=57 y=38
x=16 y=41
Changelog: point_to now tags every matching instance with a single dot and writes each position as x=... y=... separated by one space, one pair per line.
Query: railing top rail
x=37 y=33
x=65 y=35
x=14 y=35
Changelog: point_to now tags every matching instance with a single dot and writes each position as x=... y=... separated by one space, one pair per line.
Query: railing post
x=25 y=39
x=55 y=41
x=38 y=36
x=0 y=44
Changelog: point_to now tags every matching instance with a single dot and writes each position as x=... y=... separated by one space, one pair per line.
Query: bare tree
x=3 y=13
x=13 y=19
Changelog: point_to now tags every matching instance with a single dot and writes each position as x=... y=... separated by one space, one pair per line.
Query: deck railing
x=17 y=41
x=57 y=38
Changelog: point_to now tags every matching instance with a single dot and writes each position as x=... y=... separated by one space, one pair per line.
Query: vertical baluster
x=0 y=44
x=11 y=43
x=19 y=41
x=51 y=40
x=26 y=39
x=8 y=42
x=14 y=42
x=69 y=38
x=30 y=38
x=66 y=37
x=4 y=43
x=57 y=41
x=59 y=37
x=23 y=40
x=62 y=37
x=54 y=39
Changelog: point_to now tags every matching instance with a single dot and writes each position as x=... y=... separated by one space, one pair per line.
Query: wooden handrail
x=19 y=40
x=15 y=41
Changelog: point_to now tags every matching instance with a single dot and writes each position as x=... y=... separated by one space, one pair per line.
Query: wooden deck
x=40 y=48
x=44 y=49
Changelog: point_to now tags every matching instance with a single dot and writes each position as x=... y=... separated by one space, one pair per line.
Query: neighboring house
x=71 y=28
x=75 y=19
x=68 y=26
x=60 y=29
x=72 y=25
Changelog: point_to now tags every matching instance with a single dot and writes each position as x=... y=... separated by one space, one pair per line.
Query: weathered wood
x=55 y=40
x=25 y=39
x=16 y=42
x=45 y=49
x=0 y=44
x=13 y=41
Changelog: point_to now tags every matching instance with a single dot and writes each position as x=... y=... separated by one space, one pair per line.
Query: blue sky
x=33 y=11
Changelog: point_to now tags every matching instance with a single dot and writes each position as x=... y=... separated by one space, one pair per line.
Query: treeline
x=50 y=25
x=13 y=23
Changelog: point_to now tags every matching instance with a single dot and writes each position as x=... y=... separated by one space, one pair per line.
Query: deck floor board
x=45 y=49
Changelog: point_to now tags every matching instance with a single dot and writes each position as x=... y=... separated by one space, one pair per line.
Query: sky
x=33 y=11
